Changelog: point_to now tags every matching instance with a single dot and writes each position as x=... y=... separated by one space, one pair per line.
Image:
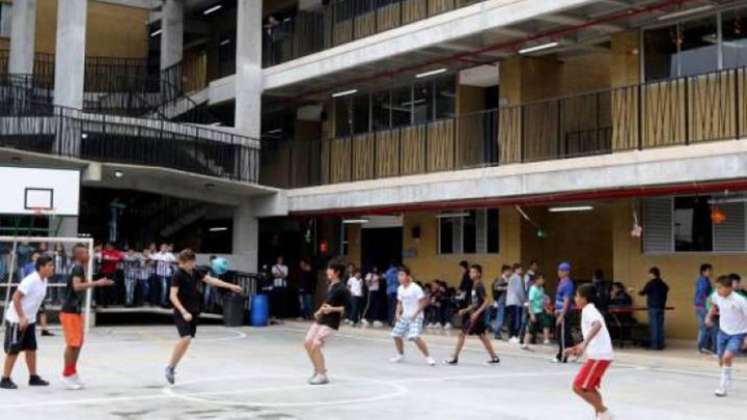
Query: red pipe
x=553 y=34
x=537 y=199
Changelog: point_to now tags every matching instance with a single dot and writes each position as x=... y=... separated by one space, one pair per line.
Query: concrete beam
x=575 y=21
x=670 y=165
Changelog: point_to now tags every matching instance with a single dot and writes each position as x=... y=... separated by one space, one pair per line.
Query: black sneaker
x=47 y=333
x=6 y=383
x=453 y=361
x=494 y=361
x=36 y=380
x=170 y=375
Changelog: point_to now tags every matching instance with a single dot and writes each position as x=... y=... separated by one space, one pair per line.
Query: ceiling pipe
x=509 y=45
x=539 y=199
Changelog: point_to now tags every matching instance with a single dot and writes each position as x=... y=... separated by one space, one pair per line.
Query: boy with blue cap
x=563 y=308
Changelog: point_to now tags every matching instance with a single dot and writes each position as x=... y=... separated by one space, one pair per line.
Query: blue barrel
x=260 y=313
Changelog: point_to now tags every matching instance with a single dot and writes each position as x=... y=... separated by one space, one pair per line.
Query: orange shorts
x=72 y=328
x=591 y=373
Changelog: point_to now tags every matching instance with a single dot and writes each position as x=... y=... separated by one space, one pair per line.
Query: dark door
x=380 y=246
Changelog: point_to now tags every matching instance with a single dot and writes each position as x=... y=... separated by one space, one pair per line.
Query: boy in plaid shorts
x=411 y=302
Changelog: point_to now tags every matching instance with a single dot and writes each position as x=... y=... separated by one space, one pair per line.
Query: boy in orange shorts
x=598 y=348
x=70 y=314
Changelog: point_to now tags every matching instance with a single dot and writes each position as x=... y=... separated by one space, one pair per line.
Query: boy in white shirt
x=411 y=303
x=355 y=285
x=732 y=310
x=598 y=348
x=20 y=320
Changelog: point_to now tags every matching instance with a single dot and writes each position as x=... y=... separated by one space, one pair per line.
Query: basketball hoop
x=40 y=211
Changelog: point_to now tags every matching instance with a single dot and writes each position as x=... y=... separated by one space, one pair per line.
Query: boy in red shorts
x=598 y=348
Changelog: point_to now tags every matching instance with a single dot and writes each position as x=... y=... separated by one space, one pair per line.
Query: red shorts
x=318 y=334
x=590 y=375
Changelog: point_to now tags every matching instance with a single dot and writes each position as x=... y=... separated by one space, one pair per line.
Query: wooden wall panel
x=365 y=25
x=341 y=162
x=441 y=145
x=509 y=135
x=414 y=10
x=625 y=118
x=664 y=113
x=711 y=107
x=363 y=156
x=343 y=32
x=439 y=6
x=387 y=17
x=540 y=131
x=413 y=149
x=195 y=70
x=387 y=153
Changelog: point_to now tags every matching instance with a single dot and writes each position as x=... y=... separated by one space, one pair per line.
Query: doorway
x=380 y=246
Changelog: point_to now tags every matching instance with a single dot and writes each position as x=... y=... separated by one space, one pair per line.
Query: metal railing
x=31 y=125
x=344 y=21
x=682 y=111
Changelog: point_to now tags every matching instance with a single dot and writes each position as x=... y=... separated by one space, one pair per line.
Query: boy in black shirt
x=327 y=322
x=186 y=299
x=473 y=318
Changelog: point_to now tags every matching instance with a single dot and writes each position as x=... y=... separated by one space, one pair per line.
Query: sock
x=725 y=376
x=69 y=371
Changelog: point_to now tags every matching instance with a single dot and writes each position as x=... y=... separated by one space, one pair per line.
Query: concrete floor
x=260 y=373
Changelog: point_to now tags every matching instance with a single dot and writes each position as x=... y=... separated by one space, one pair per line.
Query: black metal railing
x=687 y=110
x=344 y=21
x=31 y=125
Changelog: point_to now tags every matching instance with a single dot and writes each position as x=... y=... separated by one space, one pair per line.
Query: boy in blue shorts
x=732 y=310
x=411 y=302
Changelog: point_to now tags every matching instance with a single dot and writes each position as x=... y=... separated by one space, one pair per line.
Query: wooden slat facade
x=509 y=135
x=711 y=107
x=364 y=152
x=663 y=113
x=441 y=145
x=387 y=153
x=625 y=118
x=413 y=149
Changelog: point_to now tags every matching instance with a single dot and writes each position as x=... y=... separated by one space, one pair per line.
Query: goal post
x=16 y=251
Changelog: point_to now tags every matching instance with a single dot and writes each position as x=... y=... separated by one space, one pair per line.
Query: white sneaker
x=72 y=383
x=319 y=379
x=720 y=392
x=378 y=324
x=525 y=346
x=514 y=340
x=605 y=416
x=546 y=342
x=430 y=361
x=447 y=326
x=364 y=323
x=397 y=359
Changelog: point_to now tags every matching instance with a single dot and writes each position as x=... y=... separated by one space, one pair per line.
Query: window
x=381 y=112
x=361 y=114
x=402 y=106
x=469 y=232
x=343 y=116
x=445 y=97
x=734 y=39
x=5 y=20
x=684 y=224
x=423 y=108
x=699 y=44
x=660 y=46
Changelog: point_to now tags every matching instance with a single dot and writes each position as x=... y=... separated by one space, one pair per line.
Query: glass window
x=401 y=106
x=660 y=52
x=362 y=113
x=343 y=116
x=445 y=97
x=423 y=108
x=734 y=35
x=468 y=234
x=698 y=46
x=381 y=111
x=493 y=232
x=693 y=229
x=446 y=235
x=227 y=54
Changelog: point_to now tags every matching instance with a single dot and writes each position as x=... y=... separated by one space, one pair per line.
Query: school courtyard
x=248 y=373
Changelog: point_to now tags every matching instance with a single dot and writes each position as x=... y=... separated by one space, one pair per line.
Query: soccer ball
x=219 y=266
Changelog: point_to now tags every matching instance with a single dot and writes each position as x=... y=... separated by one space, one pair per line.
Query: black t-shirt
x=465 y=289
x=338 y=295
x=73 y=301
x=306 y=281
x=189 y=294
x=477 y=297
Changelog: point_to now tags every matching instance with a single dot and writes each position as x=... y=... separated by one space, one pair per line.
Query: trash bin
x=260 y=312
x=233 y=310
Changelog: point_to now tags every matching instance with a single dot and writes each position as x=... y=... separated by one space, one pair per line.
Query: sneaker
x=319 y=379
x=453 y=361
x=36 y=380
x=721 y=392
x=525 y=346
x=606 y=415
x=546 y=342
x=397 y=359
x=71 y=382
x=447 y=326
x=378 y=324
x=170 y=374
x=47 y=333
x=430 y=361
x=494 y=361
x=514 y=340
x=7 y=383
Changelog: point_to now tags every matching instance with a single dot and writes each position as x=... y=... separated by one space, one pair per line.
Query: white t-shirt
x=164 y=262
x=599 y=348
x=732 y=313
x=34 y=290
x=356 y=286
x=410 y=297
x=372 y=281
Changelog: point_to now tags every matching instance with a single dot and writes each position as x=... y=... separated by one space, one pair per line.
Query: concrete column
x=249 y=67
x=22 y=34
x=172 y=33
x=70 y=57
x=246 y=236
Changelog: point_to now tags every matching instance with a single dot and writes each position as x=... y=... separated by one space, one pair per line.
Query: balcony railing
x=29 y=125
x=344 y=21
x=683 y=111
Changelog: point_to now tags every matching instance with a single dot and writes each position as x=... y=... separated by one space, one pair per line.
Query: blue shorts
x=731 y=343
x=412 y=329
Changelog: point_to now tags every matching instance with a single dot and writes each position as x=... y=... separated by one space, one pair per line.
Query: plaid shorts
x=410 y=328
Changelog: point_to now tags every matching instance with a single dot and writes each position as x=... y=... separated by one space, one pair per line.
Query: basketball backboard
x=34 y=191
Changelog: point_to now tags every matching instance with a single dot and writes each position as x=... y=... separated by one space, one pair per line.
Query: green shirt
x=536 y=299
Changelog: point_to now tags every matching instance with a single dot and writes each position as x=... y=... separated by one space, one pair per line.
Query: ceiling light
x=431 y=73
x=686 y=12
x=355 y=221
x=727 y=200
x=225 y=42
x=452 y=215
x=212 y=9
x=538 y=48
x=570 y=209
x=344 y=93
x=118 y=174
x=218 y=229
x=156 y=33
